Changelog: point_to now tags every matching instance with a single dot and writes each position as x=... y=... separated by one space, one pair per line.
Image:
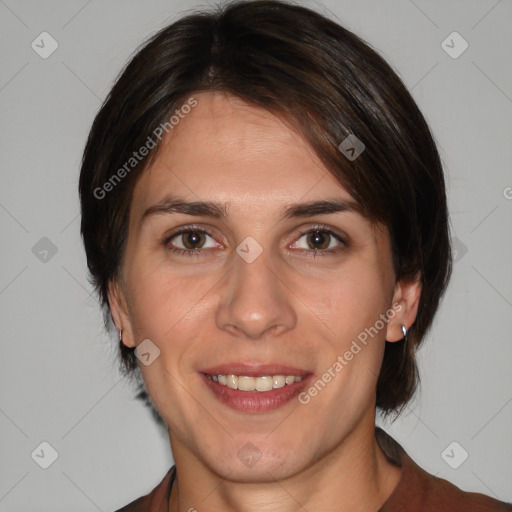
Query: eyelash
x=200 y=252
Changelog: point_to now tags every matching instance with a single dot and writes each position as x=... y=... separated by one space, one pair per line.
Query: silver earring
x=404 y=330
x=121 y=336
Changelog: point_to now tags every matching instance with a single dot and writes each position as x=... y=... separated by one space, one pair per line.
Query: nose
x=257 y=302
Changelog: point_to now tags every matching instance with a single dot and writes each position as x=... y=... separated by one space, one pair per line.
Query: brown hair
x=325 y=81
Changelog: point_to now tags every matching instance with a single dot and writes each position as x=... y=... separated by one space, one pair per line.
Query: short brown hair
x=328 y=84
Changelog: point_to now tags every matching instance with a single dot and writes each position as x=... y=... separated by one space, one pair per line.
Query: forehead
x=228 y=151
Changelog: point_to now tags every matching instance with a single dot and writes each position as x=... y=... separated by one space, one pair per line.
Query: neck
x=354 y=476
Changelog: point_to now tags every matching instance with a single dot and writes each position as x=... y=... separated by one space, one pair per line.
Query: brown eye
x=193 y=239
x=318 y=239
x=190 y=242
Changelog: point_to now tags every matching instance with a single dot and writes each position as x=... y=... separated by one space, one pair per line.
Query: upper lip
x=255 y=370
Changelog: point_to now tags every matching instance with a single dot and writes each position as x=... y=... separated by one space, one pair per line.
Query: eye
x=189 y=241
x=192 y=241
x=320 y=240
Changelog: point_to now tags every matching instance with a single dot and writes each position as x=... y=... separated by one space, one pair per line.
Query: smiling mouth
x=255 y=388
x=257 y=384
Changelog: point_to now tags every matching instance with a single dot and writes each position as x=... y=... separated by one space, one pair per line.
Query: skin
x=286 y=306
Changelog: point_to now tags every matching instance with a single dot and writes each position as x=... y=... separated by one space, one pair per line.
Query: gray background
x=59 y=381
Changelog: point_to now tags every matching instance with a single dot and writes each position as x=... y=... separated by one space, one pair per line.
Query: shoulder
x=419 y=491
x=438 y=494
x=154 y=501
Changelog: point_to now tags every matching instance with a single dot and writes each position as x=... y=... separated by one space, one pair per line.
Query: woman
x=265 y=221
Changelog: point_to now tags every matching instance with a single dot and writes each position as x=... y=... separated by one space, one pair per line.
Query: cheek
x=347 y=302
x=162 y=299
x=350 y=304
x=167 y=309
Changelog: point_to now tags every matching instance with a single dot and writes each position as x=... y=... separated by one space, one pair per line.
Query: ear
x=406 y=299
x=119 y=310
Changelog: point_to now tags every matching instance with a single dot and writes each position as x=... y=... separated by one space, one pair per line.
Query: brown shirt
x=417 y=490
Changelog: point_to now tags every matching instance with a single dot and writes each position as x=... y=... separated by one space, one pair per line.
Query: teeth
x=245 y=383
x=279 y=381
x=232 y=381
x=263 y=383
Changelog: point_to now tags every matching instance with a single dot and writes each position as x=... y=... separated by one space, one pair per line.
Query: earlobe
x=407 y=298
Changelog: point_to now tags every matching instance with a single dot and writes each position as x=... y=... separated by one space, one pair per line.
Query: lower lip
x=255 y=401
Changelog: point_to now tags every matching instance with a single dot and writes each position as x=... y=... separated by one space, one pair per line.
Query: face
x=281 y=300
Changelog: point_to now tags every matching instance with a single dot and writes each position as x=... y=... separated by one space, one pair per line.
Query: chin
x=249 y=464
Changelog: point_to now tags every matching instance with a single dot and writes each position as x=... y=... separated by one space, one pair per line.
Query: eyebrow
x=173 y=204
